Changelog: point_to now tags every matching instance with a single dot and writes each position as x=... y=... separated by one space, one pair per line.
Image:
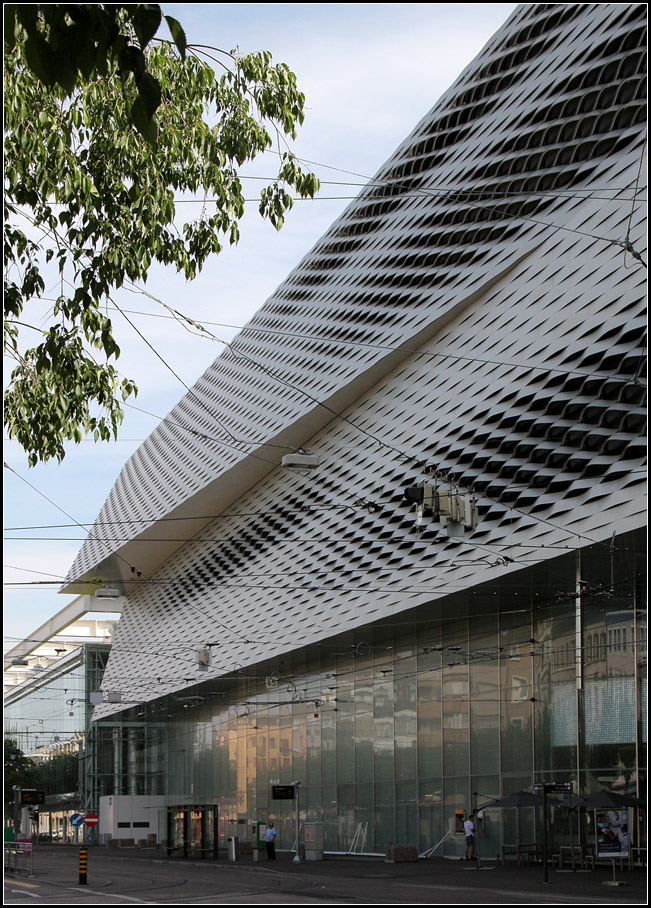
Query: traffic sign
x=77 y=819
x=91 y=819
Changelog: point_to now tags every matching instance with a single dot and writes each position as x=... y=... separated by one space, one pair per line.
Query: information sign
x=282 y=792
x=32 y=796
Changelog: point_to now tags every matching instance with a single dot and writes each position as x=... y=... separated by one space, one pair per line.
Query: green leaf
x=27 y=16
x=132 y=59
x=115 y=213
x=178 y=35
x=9 y=12
x=146 y=18
x=41 y=59
x=150 y=93
x=146 y=125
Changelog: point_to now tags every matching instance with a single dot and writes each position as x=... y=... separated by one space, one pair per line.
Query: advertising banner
x=612 y=833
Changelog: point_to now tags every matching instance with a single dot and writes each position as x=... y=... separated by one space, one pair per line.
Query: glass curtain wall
x=395 y=727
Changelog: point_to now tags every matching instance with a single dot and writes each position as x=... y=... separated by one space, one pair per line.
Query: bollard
x=83 y=866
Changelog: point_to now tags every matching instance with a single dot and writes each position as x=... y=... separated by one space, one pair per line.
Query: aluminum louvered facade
x=474 y=319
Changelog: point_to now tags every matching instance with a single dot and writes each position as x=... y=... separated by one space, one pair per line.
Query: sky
x=370 y=72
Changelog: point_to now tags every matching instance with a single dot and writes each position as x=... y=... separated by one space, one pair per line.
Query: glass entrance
x=191 y=831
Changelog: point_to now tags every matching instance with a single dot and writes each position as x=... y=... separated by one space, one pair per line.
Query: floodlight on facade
x=107 y=593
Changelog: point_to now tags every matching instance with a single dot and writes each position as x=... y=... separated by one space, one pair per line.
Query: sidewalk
x=436 y=880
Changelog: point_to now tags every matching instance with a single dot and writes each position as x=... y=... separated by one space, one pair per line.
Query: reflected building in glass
x=450 y=607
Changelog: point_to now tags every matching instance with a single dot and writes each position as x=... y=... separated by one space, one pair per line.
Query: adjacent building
x=392 y=543
x=49 y=680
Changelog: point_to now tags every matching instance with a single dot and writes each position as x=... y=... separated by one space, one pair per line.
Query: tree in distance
x=105 y=124
x=19 y=770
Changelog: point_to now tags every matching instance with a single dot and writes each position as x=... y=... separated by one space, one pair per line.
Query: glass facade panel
x=485 y=695
x=455 y=699
x=430 y=814
x=428 y=707
x=516 y=680
x=393 y=731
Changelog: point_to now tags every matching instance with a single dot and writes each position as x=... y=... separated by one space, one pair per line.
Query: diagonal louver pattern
x=475 y=316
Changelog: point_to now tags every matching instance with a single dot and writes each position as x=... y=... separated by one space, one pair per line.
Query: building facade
x=49 y=680
x=450 y=606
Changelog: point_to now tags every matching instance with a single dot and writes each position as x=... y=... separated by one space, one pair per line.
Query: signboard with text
x=557 y=787
x=32 y=796
x=282 y=792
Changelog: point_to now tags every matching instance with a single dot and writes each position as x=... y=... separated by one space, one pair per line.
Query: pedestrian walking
x=270 y=842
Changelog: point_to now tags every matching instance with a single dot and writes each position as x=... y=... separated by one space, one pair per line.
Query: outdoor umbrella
x=521 y=799
x=526 y=799
x=610 y=800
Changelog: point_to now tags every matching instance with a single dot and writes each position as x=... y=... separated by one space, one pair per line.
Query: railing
x=19 y=858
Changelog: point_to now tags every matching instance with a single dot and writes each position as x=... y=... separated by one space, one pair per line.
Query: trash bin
x=233 y=848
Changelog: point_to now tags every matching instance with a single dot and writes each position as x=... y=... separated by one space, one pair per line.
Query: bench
x=525 y=852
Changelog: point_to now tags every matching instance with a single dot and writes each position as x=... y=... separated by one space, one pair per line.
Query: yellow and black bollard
x=83 y=866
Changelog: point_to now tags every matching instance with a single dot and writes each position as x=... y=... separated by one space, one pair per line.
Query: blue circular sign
x=77 y=819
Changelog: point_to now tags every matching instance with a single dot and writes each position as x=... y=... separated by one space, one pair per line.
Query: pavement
x=147 y=876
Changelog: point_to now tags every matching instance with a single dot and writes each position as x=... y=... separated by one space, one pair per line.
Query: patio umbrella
x=526 y=799
x=610 y=800
x=521 y=799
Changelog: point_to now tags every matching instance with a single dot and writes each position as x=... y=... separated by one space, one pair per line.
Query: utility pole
x=297 y=856
x=17 y=806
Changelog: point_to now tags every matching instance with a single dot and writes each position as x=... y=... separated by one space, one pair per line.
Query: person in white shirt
x=469 y=829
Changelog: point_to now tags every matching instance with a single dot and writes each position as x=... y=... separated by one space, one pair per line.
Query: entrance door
x=191 y=831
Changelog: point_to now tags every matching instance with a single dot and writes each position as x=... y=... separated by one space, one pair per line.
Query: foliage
x=105 y=126
x=19 y=770
x=59 y=773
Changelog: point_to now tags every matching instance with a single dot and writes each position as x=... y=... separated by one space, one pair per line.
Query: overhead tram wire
x=418 y=354
x=628 y=246
x=341 y=415
x=539 y=605
x=405 y=457
x=432 y=192
x=476 y=544
x=460 y=657
x=49 y=500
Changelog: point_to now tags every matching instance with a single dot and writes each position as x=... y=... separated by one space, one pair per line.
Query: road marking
x=112 y=895
x=515 y=893
x=28 y=885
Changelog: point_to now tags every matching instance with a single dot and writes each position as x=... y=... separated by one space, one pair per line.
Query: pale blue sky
x=370 y=73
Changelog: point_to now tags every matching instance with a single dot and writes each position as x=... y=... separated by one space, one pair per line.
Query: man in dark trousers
x=270 y=842
x=469 y=829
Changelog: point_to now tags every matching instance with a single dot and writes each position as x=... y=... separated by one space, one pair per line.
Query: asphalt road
x=132 y=877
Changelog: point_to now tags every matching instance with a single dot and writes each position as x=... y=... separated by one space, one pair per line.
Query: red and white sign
x=91 y=819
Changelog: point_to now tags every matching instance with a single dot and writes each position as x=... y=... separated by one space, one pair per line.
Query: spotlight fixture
x=107 y=592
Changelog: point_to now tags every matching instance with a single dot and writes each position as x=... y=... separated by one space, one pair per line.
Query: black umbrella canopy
x=522 y=799
x=611 y=800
